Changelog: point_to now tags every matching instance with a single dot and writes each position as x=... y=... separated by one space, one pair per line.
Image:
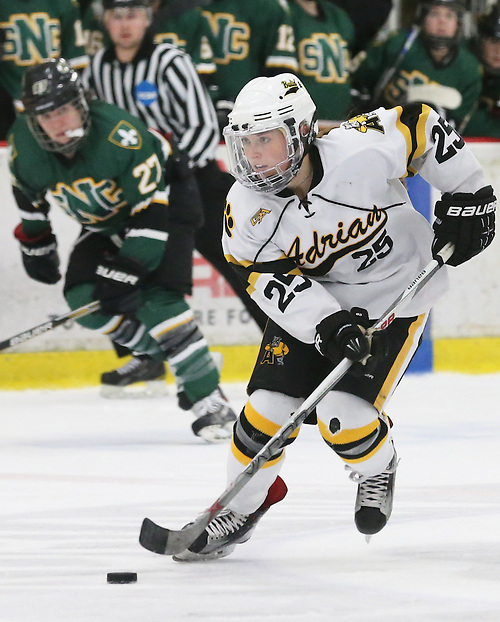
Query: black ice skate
x=229 y=529
x=214 y=418
x=374 y=500
x=142 y=376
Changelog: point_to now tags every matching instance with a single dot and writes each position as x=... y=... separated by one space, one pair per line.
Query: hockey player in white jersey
x=325 y=235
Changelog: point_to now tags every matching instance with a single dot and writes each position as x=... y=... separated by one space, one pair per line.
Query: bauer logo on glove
x=467 y=220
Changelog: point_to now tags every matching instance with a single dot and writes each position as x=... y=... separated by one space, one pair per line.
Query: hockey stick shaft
x=388 y=73
x=170 y=542
x=49 y=325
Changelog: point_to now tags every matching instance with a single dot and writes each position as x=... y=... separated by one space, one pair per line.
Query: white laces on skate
x=212 y=404
x=373 y=488
x=225 y=524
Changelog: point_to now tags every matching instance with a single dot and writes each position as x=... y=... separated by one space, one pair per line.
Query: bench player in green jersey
x=249 y=39
x=484 y=117
x=324 y=36
x=430 y=55
x=106 y=170
x=34 y=31
x=187 y=29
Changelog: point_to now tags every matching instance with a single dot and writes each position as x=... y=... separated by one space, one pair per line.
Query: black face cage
x=79 y=102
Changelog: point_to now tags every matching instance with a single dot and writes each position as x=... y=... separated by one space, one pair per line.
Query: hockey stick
x=388 y=73
x=49 y=325
x=170 y=541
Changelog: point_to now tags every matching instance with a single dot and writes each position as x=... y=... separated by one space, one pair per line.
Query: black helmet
x=431 y=41
x=48 y=86
x=489 y=25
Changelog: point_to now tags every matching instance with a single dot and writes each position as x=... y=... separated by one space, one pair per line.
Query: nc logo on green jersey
x=125 y=135
x=88 y=201
x=324 y=57
x=230 y=37
x=31 y=39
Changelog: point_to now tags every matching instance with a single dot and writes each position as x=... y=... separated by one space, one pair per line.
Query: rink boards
x=464 y=334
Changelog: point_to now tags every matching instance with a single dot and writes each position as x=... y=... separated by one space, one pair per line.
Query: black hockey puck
x=122 y=577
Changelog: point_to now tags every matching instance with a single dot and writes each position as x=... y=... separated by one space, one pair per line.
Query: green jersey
x=93 y=28
x=35 y=31
x=463 y=72
x=484 y=119
x=112 y=185
x=249 y=39
x=323 y=45
x=190 y=32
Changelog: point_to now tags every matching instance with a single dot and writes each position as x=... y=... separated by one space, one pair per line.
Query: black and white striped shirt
x=162 y=88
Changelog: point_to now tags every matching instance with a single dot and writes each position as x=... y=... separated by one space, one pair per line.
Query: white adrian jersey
x=356 y=241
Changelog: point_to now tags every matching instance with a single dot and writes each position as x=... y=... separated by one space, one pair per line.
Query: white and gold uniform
x=355 y=241
x=357 y=238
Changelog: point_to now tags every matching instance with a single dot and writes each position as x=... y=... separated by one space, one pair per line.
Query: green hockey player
x=106 y=170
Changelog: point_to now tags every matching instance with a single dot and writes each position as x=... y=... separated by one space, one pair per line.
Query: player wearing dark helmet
x=53 y=91
x=106 y=170
x=429 y=63
x=436 y=34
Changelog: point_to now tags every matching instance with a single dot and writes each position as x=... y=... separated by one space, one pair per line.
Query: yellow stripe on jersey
x=347 y=436
x=421 y=139
x=411 y=122
x=230 y=259
x=262 y=424
x=396 y=368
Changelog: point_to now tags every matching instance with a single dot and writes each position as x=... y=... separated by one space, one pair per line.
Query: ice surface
x=79 y=473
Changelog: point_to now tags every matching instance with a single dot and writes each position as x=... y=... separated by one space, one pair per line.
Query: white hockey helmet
x=280 y=102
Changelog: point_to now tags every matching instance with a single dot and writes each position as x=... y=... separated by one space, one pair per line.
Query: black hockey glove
x=340 y=333
x=338 y=341
x=118 y=285
x=467 y=220
x=39 y=255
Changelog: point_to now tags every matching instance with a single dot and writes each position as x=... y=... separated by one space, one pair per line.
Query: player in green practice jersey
x=432 y=57
x=34 y=31
x=324 y=35
x=106 y=170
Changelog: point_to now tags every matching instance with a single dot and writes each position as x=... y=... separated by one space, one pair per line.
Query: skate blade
x=139 y=390
x=188 y=556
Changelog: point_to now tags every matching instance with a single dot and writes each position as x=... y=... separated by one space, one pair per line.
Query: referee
x=160 y=85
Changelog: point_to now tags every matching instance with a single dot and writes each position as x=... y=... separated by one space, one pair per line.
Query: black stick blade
x=153 y=537
x=172 y=541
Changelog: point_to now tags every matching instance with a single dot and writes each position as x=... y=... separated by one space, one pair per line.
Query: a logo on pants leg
x=275 y=352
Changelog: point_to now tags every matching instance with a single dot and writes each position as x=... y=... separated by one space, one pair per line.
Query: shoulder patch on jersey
x=259 y=215
x=364 y=122
x=125 y=135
